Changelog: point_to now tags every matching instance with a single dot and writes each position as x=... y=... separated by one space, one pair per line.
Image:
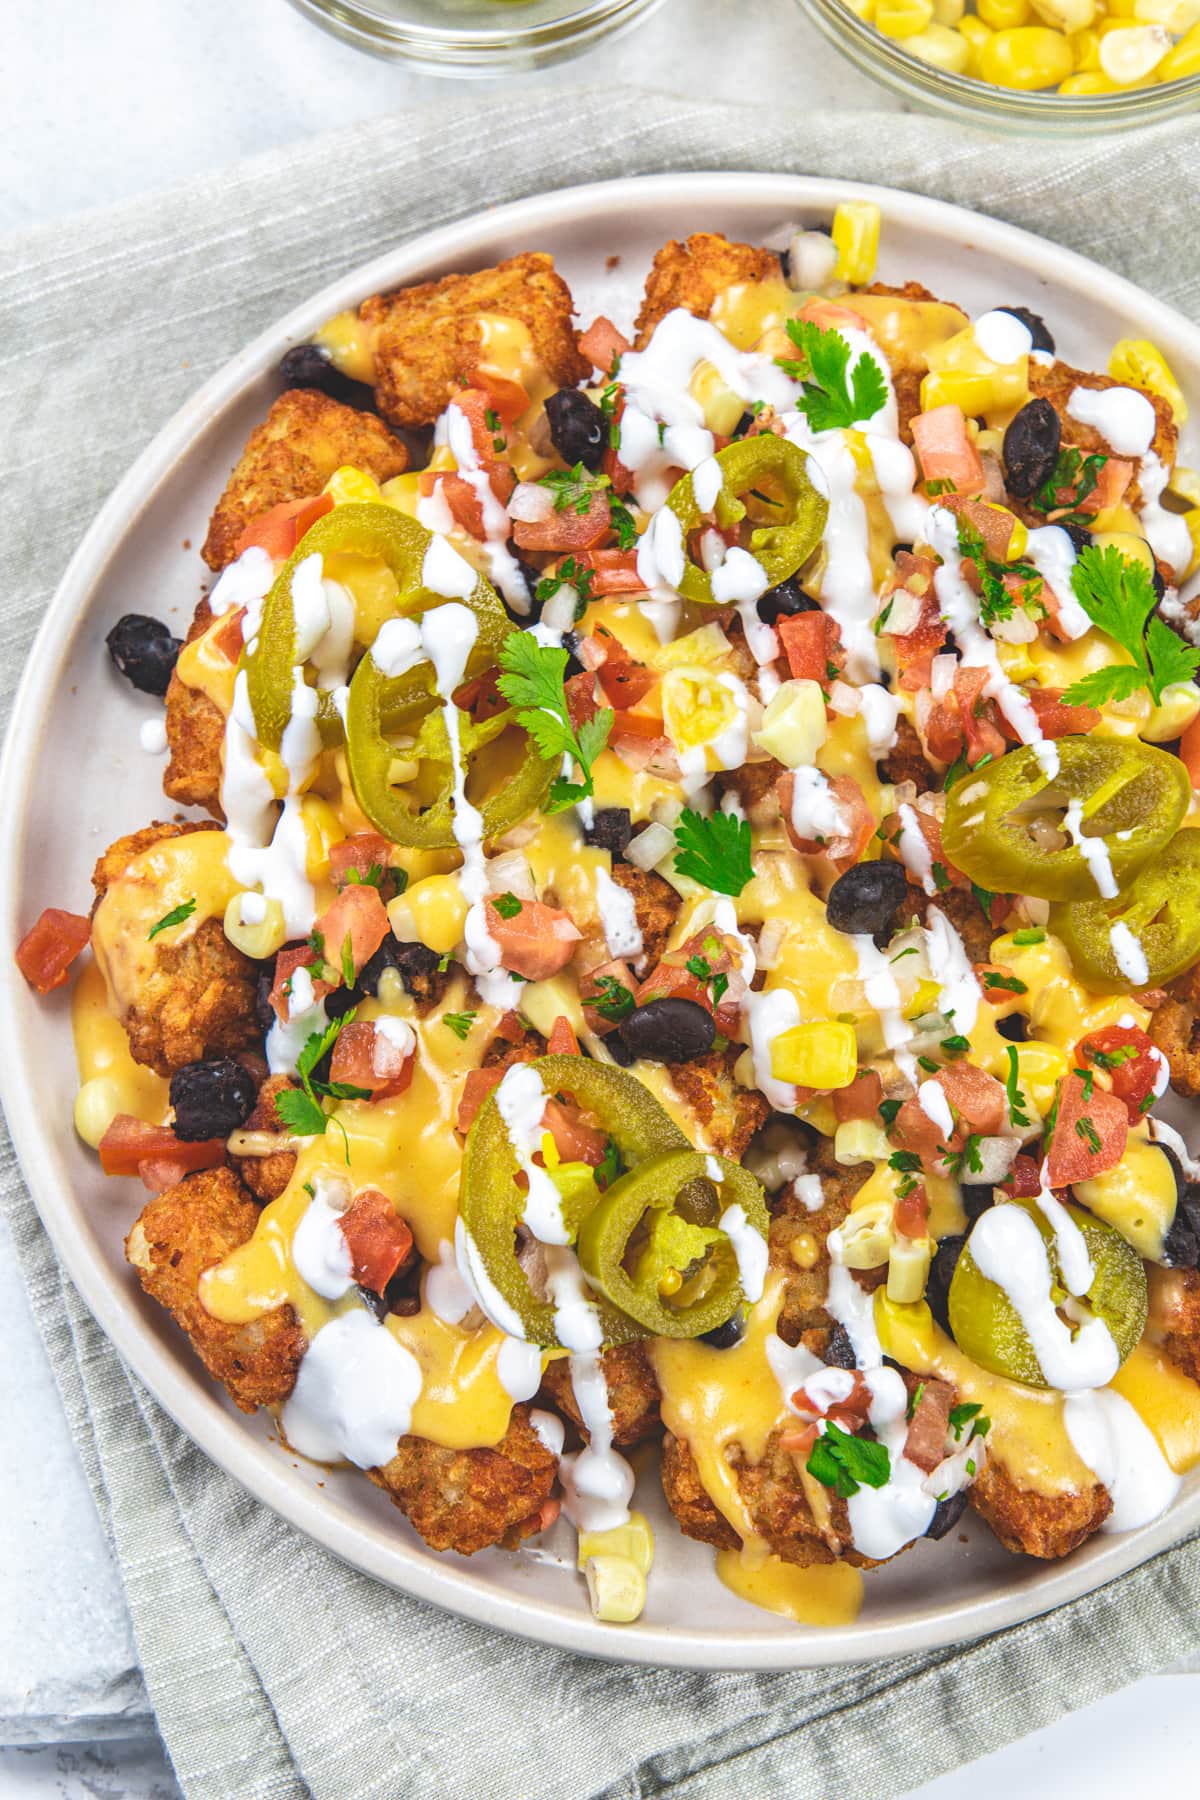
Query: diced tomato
x=1112 y=479
x=620 y=478
x=280 y=529
x=227 y=635
x=861 y=1100
x=672 y=978
x=945 y=450
x=625 y=681
x=536 y=942
x=944 y=873
x=1024 y=1179
x=614 y=572
x=367 y=1058
x=1089 y=1134
x=50 y=946
x=850 y=1413
x=799 y=1440
x=812 y=644
x=300 y=956
x=591 y=988
x=506 y=397
x=964 y=719
x=857 y=821
x=995 y=980
x=1135 y=1068
x=910 y=1214
x=365 y=851
x=562 y=1040
x=1189 y=751
x=476 y=1088
x=130 y=1142
x=481 y=697
x=916 y=649
x=568 y=529
x=510 y=1029
x=925 y=1443
x=993 y=523
x=378 y=1238
x=978 y=1106
x=601 y=342
x=582 y=703
x=574 y=1139
x=354 y=925
x=1055 y=719
x=465 y=503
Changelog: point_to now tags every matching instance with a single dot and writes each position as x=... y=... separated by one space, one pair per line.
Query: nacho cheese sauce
x=451 y=1369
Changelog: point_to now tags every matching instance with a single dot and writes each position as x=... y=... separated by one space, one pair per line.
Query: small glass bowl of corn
x=1068 y=66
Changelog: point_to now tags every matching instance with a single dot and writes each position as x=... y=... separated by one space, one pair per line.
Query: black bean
x=839 y=1351
x=578 y=429
x=308 y=366
x=211 y=1098
x=1180 y=1246
x=668 y=1031
x=948 y=1512
x=1079 y=535
x=724 y=1337
x=1013 y=1028
x=1031 y=446
x=941 y=1273
x=863 y=900
x=977 y=1199
x=784 y=601
x=1034 y=323
x=343 y=1000
x=898 y=548
x=620 y=1053
x=611 y=829
x=264 y=1012
x=743 y=425
x=144 y=652
x=414 y=963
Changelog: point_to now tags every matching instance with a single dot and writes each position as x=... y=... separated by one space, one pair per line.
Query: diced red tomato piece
x=857 y=821
x=850 y=1413
x=601 y=342
x=964 y=719
x=536 y=942
x=861 y=1100
x=354 y=925
x=50 y=946
x=995 y=980
x=130 y=1142
x=978 y=1106
x=591 y=988
x=620 y=478
x=625 y=681
x=281 y=528
x=481 y=697
x=227 y=634
x=1112 y=479
x=1055 y=719
x=930 y=827
x=465 y=503
x=300 y=956
x=925 y=1444
x=910 y=1214
x=574 y=1139
x=562 y=1040
x=582 y=703
x=506 y=397
x=812 y=644
x=1136 y=1069
x=478 y=1085
x=365 y=851
x=993 y=523
x=378 y=1238
x=1024 y=1179
x=568 y=529
x=945 y=450
x=1089 y=1134
x=614 y=572
x=365 y=1057
x=510 y=1029
x=915 y=650
x=158 y=1173
x=1189 y=751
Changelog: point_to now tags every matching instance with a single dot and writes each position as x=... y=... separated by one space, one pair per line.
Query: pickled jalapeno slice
x=1147 y=934
x=764 y=480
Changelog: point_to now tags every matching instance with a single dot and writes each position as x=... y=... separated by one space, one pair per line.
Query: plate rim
x=258 y=1466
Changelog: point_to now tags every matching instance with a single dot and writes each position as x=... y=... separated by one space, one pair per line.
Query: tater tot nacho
x=689 y=918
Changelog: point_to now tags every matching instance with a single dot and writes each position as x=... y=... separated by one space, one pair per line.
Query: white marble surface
x=98 y=103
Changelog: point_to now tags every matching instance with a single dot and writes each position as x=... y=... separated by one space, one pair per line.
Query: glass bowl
x=474 y=37
x=978 y=103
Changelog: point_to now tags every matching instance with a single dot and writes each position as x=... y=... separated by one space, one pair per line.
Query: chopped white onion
x=650 y=846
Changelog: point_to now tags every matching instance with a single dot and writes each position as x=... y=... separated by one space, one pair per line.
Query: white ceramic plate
x=67 y=797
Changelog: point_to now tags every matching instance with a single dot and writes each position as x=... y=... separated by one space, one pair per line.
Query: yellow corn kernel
x=941 y=48
x=948 y=12
x=822 y=1054
x=391 y=992
x=349 y=485
x=431 y=912
x=976 y=34
x=1004 y=15
x=1090 y=81
x=858 y=1141
x=633 y=1540
x=908 y=1270
x=902 y=18
x=616 y=1589
x=1177 y=15
x=255 y=925
x=322 y=830
x=1066 y=15
x=868 y=1235
x=1183 y=60
x=96 y=1106
x=1179 y=705
x=1142 y=363
x=924 y=998
x=1130 y=55
x=722 y=408
x=856 y=237
x=1085 y=48
x=402 y=492
x=1186 y=483
x=794 y=726
x=1027 y=59
x=1040 y=1067
x=1120 y=9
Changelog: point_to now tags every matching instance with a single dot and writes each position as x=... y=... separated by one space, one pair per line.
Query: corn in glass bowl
x=938 y=53
x=474 y=37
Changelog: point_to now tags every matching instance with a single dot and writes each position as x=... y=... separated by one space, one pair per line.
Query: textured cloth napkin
x=274 y=1670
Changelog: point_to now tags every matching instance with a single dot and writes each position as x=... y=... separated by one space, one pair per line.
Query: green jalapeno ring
x=367 y=529
x=781 y=548
x=1161 y=908
x=1133 y=798
x=711 y=1291
x=491 y=1203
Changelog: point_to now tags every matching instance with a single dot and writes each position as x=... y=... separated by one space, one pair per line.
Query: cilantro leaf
x=299 y=1109
x=572 y=488
x=570 y=572
x=507 y=905
x=349 y=973
x=176 y=916
x=1118 y=597
x=1016 y=1099
x=612 y=999
x=834 y=395
x=301 y=1113
x=845 y=1463
x=533 y=683
x=714 y=851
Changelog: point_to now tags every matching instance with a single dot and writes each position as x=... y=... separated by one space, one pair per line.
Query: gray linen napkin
x=274 y=1670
